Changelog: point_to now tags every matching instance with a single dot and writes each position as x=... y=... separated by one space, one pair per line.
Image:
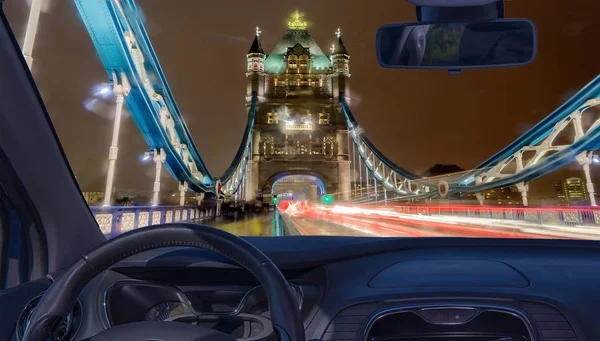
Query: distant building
x=500 y=196
x=571 y=189
x=440 y=169
x=504 y=196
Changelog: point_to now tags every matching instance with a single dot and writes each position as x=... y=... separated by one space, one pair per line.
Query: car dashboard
x=360 y=289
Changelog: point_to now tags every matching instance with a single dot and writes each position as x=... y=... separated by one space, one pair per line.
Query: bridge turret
x=340 y=60
x=255 y=72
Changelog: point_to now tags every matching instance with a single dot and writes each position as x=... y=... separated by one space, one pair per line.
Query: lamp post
x=121 y=90
x=183 y=187
x=159 y=158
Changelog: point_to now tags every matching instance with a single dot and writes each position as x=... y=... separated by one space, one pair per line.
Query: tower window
x=272 y=118
x=323 y=118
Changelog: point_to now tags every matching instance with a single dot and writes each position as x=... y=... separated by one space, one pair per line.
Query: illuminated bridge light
x=291 y=125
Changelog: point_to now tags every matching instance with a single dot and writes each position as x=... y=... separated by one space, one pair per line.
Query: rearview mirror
x=456 y=46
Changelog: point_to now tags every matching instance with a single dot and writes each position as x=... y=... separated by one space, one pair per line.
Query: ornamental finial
x=297 y=23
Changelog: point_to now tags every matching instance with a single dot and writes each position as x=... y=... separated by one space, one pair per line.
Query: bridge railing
x=120 y=219
x=559 y=216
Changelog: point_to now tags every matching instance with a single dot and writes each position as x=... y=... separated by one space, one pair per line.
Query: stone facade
x=299 y=127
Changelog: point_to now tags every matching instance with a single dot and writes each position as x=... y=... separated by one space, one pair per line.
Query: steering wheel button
x=460 y=315
x=435 y=316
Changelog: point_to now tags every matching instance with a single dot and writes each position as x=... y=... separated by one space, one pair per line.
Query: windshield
x=276 y=119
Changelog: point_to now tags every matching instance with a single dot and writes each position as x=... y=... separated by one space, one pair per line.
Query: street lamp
x=32 y=24
x=121 y=89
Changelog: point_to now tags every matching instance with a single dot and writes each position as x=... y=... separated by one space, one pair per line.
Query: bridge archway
x=309 y=184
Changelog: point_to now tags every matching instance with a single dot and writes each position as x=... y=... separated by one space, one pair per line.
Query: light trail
x=428 y=221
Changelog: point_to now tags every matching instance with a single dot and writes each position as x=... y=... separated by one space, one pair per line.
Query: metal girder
x=118 y=33
x=504 y=168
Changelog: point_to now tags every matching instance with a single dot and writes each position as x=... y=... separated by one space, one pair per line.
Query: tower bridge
x=299 y=127
x=301 y=132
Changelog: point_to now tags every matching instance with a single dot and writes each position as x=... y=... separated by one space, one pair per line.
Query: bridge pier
x=523 y=188
x=480 y=197
x=121 y=90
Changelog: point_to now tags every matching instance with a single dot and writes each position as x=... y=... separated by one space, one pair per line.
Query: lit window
x=323 y=118
x=272 y=118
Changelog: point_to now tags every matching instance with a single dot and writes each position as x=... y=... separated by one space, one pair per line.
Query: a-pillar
x=159 y=159
x=523 y=188
x=121 y=90
x=585 y=160
x=183 y=187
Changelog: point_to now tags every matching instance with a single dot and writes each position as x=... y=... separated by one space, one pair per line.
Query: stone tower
x=300 y=130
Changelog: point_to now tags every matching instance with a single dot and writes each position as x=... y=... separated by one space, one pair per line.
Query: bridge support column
x=199 y=198
x=585 y=160
x=159 y=159
x=344 y=184
x=480 y=197
x=121 y=90
x=251 y=187
x=589 y=184
x=183 y=187
x=341 y=137
x=218 y=210
x=523 y=188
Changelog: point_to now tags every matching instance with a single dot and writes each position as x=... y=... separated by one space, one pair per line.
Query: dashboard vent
x=63 y=332
x=553 y=325
x=348 y=322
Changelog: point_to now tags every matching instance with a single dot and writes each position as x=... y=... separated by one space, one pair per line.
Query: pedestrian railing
x=115 y=220
x=564 y=216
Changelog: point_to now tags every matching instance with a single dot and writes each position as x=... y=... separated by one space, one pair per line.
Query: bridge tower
x=300 y=130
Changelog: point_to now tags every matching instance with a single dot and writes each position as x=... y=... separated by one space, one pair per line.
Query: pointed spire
x=339 y=47
x=256 y=46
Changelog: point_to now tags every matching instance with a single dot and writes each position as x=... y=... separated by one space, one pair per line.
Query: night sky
x=417 y=118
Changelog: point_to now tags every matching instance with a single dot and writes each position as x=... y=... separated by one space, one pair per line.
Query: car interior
x=73 y=284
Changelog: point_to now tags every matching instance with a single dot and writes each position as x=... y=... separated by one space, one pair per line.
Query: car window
x=276 y=119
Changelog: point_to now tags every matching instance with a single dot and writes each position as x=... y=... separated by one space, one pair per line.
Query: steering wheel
x=62 y=294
